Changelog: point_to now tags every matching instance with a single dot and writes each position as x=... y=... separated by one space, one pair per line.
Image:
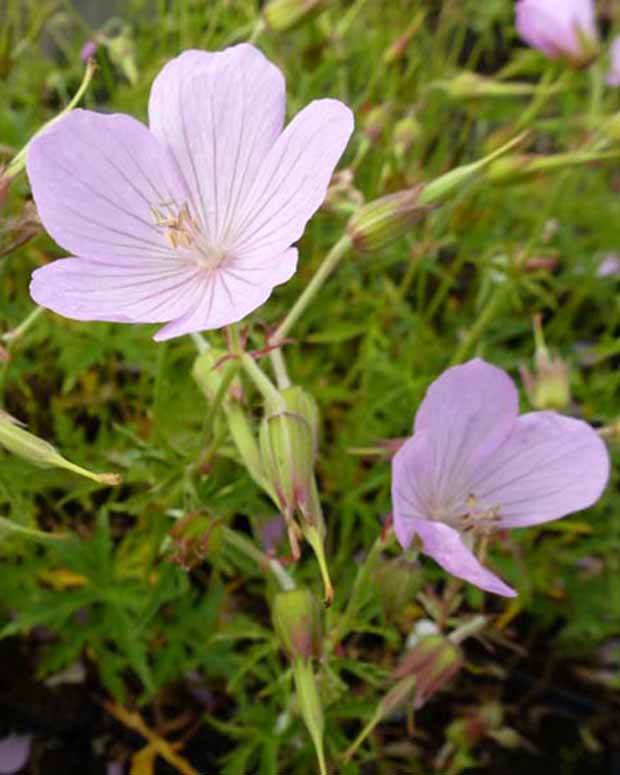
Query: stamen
x=180 y=230
x=476 y=522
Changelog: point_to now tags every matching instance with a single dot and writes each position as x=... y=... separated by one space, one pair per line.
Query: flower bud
x=288 y=442
x=397 y=581
x=384 y=220
x=472 y=86
x=122 y=51
x=282 y=15
x=20 y=442
x=548 y=385
x=375 y=121
x=88 y=51
x=406 y=132
x=434 y=661
x=297 y=622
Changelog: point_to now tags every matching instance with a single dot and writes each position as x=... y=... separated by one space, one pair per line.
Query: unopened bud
x=406 y=132
x=88 y=51
x=384 y=220
x=297 y=622
x=471 y=85
x=548 y=385
x=122 y=51
x=18 y=441
x=434 y=661
x=288 y=443
x=397 y=582
x=521 y=168
x=282 y=15
x=375 y=121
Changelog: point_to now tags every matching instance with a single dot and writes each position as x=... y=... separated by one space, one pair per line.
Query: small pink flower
x=558 y=28
x=473 y=466
x=190 y=222
x=613 y=76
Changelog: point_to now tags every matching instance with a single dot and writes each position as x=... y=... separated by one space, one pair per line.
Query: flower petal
x=550 y=466
x=467 y=413
x=231 y=293
x=143 y=292
x=218 y=114
x=95 y=179
x=411 y=486
x=446 y=547
x=292 y=181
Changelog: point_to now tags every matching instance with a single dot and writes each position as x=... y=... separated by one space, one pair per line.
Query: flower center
x=184 y=234
x=478 y=521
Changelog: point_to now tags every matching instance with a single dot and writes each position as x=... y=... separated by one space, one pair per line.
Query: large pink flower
x=474 y=466
x=191 y=221
x=558 y=28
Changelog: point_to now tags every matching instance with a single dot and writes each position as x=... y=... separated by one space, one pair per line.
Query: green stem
x=279 y=368
x=20 y=330
x=484 y=318
x=19 y=161
x=358 y=593
x=330 y=262
x=246 y=547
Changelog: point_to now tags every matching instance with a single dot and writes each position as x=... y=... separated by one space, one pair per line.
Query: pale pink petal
x=292 y=181
x=143 y=292
x=219 y=114
x=556 y=28
x=446 y=547
x=467 y=413
x=94 y=179
x=550 y=466
x=231 y=293
x=412 y=486
x=412 y=502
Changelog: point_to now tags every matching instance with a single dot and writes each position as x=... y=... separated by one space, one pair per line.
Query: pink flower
x=558 y=28
x=191 y=221
x=613 y=76
x=474 y=466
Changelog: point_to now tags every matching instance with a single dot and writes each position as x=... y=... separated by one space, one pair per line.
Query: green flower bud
x=397 y=581
x=122 y=51
x=406 y=132
x=376 y=120
x=20 y=442
x=471 y=85
x=288 y=444
x=384 y=220
x=548 y=385
x=287 y=451
x=297 y=622
x=282 y=15
x=521 y=168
